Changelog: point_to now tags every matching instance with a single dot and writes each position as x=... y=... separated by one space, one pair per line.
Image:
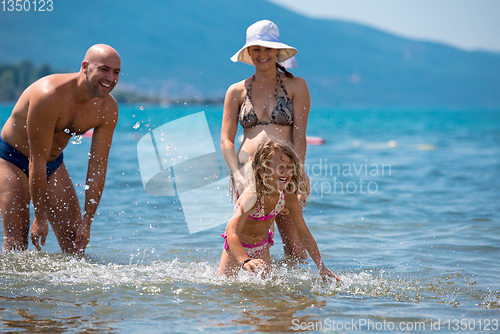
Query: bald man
x=46 y=116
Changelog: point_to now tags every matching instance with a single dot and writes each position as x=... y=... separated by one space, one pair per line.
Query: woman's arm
x=229 y=128
x=301 y=106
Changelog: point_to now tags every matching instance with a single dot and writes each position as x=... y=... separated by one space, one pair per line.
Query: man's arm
x=96 y=175
x=41 y=121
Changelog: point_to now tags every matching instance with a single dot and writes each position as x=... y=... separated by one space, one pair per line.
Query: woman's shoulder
x=237 y=91
x=235 y=94
x=294 y=82
x=296 y=87
x=239 y=85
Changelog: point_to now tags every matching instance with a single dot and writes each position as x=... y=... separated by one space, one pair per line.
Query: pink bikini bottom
x=252 y=250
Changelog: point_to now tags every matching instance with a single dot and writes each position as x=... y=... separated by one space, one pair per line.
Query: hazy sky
x=467 y=24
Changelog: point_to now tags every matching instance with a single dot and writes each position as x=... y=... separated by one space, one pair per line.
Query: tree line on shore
x=15 y=78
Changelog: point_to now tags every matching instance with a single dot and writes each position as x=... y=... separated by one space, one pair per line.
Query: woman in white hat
x=271 y=104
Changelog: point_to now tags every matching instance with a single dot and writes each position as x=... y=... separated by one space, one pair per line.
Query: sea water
x=404 y=207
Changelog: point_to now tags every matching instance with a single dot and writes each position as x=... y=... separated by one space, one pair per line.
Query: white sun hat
x=265 y=33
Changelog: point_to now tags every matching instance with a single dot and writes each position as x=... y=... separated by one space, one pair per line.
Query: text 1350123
x=27 y=5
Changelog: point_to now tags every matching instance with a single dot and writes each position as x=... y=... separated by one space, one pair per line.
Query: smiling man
x=46 y=116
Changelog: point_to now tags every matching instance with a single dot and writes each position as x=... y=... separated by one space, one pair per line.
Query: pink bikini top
x=258 y=212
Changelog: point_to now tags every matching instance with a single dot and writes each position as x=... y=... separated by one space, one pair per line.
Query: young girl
x=278 y=178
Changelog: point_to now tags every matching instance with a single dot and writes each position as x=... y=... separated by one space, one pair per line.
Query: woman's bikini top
x=282 y=113
x=258 y=212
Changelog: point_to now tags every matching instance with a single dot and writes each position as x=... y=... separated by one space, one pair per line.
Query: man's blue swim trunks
x=10 y=154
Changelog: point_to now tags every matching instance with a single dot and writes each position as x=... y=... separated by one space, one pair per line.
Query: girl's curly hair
x=261 y=171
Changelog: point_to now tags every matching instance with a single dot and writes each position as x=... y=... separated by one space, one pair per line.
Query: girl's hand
x=253 y=265
x=324 y=271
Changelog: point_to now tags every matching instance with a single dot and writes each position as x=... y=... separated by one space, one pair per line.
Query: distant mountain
x=182 y=49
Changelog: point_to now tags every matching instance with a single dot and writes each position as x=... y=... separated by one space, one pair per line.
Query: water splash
x=77 y=139
x=37 y=270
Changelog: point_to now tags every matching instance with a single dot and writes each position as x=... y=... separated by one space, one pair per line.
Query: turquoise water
x=405 y=208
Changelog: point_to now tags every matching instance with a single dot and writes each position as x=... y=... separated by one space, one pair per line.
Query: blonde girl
x=278 y=177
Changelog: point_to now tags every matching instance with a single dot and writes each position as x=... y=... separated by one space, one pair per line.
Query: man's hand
x=39 y=231
x=82 y=238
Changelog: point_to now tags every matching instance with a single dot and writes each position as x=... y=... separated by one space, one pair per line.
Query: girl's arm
x=234 y=227
x=307 y=239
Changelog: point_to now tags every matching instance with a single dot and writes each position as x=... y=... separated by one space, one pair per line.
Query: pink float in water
x=315 y=140
x=88 y=134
